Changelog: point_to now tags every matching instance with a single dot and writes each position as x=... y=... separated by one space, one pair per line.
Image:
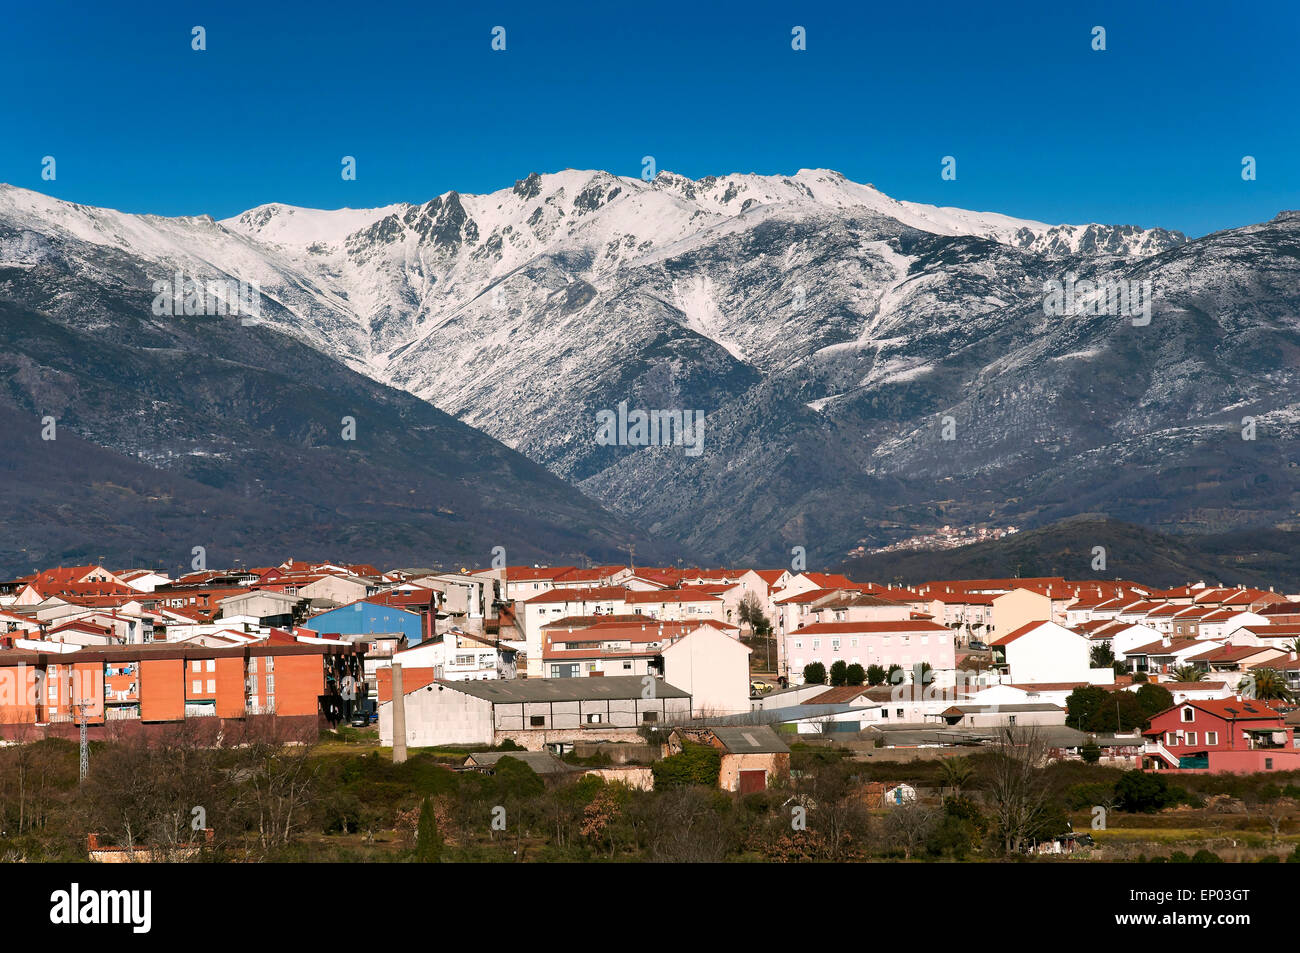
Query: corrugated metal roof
x=755 y=739
x=509 y=691
x=542 y=762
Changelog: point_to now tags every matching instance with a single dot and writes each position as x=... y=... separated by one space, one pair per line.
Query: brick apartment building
x=164 y=683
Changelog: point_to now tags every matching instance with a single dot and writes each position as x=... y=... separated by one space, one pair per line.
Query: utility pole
x=84 y=765
x=399 y=715
x=631 y=556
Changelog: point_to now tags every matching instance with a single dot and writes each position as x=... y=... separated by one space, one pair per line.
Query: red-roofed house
x=1236 y=735
x=904 y=642
x=1047 y=652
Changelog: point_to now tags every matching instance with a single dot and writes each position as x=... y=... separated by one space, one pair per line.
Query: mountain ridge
x=825 y=329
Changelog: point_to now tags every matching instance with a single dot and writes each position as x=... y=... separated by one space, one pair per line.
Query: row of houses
x=483 y=652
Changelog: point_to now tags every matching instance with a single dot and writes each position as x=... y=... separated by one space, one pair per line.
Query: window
x=1169 y=737
x=1211 y=737
x=649 y=716
x=252 y=664
x=537 y=721
x=1268 y=764
x=900 y=712
x=593 y=719
x=196 y=666
x=270 y=684
x=884 y=713
x=197 y=686
x=627 y=666
x=212 y=665
x=270 y=664
x=1189 y=714
x=1191 y=737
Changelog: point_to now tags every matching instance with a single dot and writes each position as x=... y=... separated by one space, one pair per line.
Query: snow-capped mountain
x=825 y=329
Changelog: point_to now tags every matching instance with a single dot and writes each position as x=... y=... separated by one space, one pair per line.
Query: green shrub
x=695 y=764
x=428 y=839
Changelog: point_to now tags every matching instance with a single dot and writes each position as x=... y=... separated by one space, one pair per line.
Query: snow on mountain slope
x=794 y=310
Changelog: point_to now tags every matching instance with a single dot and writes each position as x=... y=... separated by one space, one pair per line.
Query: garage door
x=751 y=781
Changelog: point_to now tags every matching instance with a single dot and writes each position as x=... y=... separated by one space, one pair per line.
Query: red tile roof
x=1023 y=630
x=871 y=628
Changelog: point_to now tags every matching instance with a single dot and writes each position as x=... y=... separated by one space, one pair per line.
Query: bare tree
x=1016 y=785
x=277 y=775
x=685 y=827
x=158 y=794
x=839 y=813
x=908 y=825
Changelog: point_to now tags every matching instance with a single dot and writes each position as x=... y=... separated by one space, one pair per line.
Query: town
x=615 y=674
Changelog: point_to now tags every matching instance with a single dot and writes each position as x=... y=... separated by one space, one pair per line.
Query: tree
x=1153 y=698
x=908 y=826
x=814 y=673
x=751 y=613
x=895 y=674
x=1093 y=709
x=695 y=764
x=428 y=839
x=839 y=672
x=1267 y=684
x=961 y=829
x=1102 y=655
x=690 y=825
x=876 y=675
x=1016 y=786
x=922 y=674
x=957 y=773
x=855 y=675
x=515 y=780
x=1189 y=673
x=838 y=818
x=1082 y=706
x=1142 y=792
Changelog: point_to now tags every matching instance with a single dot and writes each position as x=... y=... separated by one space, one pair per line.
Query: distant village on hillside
x=549 y=658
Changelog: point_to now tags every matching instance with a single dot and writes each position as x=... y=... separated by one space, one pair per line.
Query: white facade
x=713 y=667
x=1050 y=652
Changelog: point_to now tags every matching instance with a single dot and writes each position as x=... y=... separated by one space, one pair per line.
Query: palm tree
x=1189 y=673
x=1268 y=684
x=957 y=772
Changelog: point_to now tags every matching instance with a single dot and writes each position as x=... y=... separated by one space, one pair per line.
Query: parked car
x=978 y=646
x=365 y=713
x=759 y=688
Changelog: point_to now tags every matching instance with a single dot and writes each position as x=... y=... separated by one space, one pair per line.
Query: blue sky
x=1151 y=131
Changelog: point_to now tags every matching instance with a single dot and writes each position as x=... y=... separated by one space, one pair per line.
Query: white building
x=1048 y=652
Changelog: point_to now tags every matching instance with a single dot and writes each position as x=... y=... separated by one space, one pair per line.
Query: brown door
x=753 y=781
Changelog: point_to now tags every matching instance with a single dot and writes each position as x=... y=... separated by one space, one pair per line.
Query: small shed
x=753 y=756
x=546 y=765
